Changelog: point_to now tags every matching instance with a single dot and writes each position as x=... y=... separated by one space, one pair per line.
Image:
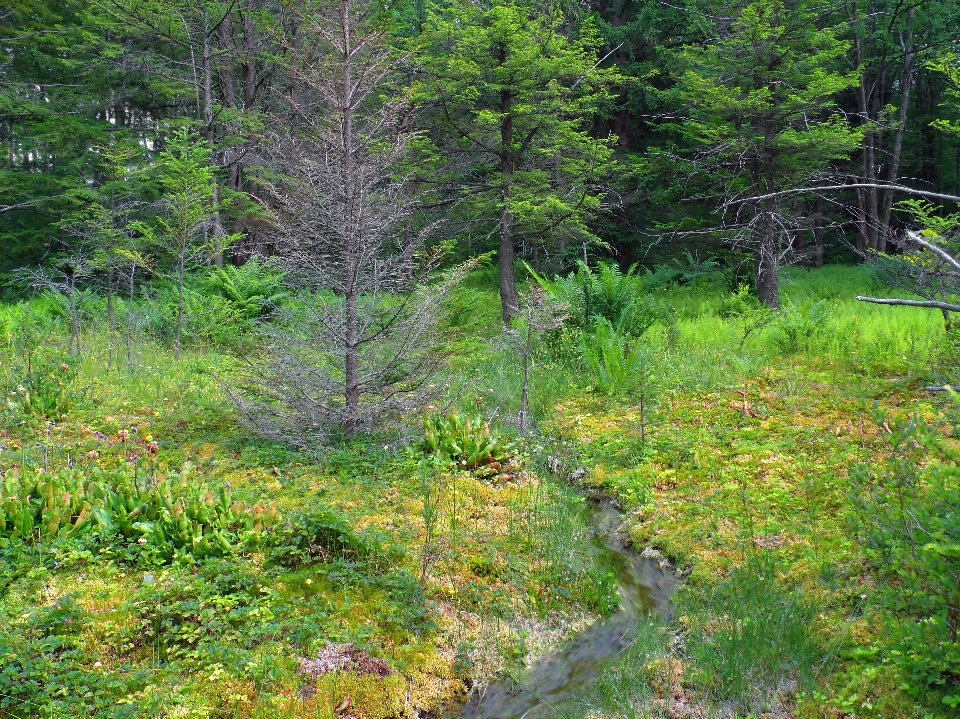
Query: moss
x=371 y=697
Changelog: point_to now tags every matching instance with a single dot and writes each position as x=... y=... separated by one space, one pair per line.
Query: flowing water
x=643 y=587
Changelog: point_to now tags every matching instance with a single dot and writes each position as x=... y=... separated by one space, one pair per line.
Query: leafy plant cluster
x=612 y=311
x=44 y=391
x=177 y=517
x=606 y=293
x=468 y=442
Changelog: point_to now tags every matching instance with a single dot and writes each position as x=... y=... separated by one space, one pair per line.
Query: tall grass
x=750 y=638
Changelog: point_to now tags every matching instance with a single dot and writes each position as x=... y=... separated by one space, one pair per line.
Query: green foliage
x=516 y=94
x=45 y=392
x=799 y=326
x=179 y=517
x=253 y=288
x=316 y=536
x=607 y=293
x=467 y=442
x=207 y=318
x=909 y=519
x=617 y=363
x=685 y=270
x=931 y=219
x=749 y=634
x=187 y=618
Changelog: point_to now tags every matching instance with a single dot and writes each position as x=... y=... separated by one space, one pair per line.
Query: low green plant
x=908 y=512
x=617 y=362
x=316 y=536
x=799 y=326
x=688 y=270
x=468 y=442
x=45 y=391
x=607 y=293
x=253 y=288
x=176 y=517
x=749 y=636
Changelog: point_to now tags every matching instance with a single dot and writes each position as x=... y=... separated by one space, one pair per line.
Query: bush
x=687 y=271
x=44 y=391
x=799 y=326
x=253 y=289
x=468 y=443
x=208 y=318
x=908 y=514
x=312 y=537
x=616 y=362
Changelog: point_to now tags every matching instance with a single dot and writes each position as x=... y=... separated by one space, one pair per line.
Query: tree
x=761 y=100
x=50 y=83
x=189 y=208
x=890 y=40
x=516 y=97
x=360 y=345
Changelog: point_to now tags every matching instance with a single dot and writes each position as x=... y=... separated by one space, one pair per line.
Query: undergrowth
x=726 y=432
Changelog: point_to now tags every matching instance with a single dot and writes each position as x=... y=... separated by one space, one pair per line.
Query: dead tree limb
x=850 y=186
x=910 y=303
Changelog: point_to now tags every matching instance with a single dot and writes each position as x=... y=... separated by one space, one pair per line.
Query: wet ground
x=644 y=586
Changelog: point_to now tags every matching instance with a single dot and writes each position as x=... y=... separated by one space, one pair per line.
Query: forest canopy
x=546 y=133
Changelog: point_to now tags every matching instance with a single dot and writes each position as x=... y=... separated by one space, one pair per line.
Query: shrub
x=43 y=392
x=253 y=288
x=908 y=515
x=799 y=326
x=311 y=537
x=616 y=362
x=688 y=270
x=209 y=318
x=607 y=293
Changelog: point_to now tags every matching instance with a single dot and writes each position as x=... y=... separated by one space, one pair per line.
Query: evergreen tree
x=516 y=98
x=761 y=99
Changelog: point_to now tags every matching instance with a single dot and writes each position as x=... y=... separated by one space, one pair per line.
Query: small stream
x=643 y=587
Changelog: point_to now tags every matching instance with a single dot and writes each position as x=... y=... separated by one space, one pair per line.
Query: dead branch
x=910 y=303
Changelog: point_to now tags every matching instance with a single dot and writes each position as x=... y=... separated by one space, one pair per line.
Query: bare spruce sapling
x=360 y=346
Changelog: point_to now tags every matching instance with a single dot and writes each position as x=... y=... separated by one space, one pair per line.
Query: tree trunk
x=906 y=80
x=765 y=269
x=249 y=57
x=228 y=86
x=818 y=233
x=217 y=256
x=524 y=397
x=352 y=329
x=867 y=198
x=133 y=269
x=508 y=283
x=180 y=272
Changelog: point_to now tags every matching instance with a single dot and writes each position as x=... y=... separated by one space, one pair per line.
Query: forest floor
x=463 y=578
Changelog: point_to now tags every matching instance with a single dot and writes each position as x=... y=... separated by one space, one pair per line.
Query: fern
x=800 y=326
x=608 y=293
x=252 y=289
x=616 y=362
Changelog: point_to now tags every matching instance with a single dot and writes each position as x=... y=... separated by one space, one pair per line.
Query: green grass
x=742 y=481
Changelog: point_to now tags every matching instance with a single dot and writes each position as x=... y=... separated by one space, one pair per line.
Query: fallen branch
x=946 y=306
